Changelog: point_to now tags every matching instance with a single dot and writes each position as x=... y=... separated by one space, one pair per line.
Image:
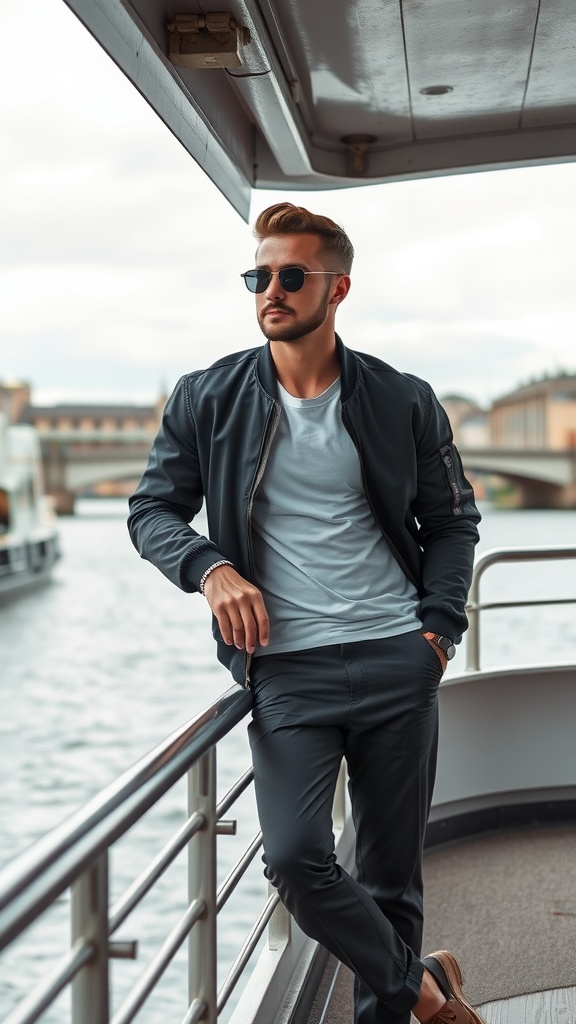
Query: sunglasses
x=291 y=278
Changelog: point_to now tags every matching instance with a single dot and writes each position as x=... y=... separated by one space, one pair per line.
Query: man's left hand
x=439 y=651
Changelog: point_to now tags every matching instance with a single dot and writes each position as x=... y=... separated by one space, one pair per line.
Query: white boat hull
x=27 y=563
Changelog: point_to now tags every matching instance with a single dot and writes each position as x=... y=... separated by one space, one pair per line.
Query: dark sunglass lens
x=291 y=279
x=257 y=280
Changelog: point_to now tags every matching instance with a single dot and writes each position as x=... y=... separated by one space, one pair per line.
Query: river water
x=99 y=665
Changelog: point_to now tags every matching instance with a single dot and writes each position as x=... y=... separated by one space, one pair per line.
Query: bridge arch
x=70 y=468
x=544 y=479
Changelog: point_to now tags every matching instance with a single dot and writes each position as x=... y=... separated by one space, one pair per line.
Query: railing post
x=202 y=982
x=90 y=987
x=280 y=925
x=473 y=635
x=339 y=802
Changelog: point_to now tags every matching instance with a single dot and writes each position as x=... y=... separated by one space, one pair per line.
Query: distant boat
x=29 y=539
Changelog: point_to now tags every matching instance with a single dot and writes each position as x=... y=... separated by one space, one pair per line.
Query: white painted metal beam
x=120 y=34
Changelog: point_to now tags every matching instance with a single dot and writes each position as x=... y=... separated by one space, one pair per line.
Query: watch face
x=446 y=645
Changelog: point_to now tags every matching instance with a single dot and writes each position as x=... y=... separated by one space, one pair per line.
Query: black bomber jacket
x=213 y=442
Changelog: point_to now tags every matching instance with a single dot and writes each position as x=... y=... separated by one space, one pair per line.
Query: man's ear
x=341 y=289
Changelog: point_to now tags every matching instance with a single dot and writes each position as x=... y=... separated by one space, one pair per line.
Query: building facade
x=540 y=415
x=468 y=420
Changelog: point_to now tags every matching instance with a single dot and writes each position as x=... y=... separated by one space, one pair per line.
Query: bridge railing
x=475 y=607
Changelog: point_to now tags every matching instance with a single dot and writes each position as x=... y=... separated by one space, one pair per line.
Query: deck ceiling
x=331 y=94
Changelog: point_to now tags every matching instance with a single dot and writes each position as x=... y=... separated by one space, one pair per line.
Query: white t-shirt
x=325 y=571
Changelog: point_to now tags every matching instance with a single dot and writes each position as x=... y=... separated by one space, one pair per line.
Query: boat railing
x=75 y=858
x=498 y=556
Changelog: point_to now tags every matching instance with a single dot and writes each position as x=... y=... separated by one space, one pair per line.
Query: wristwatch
x=445 y=644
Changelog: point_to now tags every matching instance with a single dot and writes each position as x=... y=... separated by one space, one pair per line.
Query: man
x=341 y=537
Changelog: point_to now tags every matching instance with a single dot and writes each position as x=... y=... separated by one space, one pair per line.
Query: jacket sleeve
x=447 y=518
x=168 y=497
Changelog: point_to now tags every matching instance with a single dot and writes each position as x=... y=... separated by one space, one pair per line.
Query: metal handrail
x=155 y=869
x=494 y=557
x=229 y=884
x=62 y=973
x=148 y=980
x=237 y=789
x=75 y=854
x=33 y=880
x=155 y=969
x=245 y=953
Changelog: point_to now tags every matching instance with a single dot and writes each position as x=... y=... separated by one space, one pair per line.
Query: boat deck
x=506 y=904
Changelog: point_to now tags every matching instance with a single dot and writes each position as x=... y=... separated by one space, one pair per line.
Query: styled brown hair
x=287 y=219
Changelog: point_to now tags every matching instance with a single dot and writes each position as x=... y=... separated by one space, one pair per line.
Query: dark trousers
x=374 y=703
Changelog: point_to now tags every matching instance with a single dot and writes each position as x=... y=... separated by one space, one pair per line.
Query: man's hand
x=439 y=651
x=238 y=607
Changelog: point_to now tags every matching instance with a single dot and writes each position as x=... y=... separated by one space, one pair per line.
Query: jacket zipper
x=448 y=460
x=407 y=572
x=269 y=437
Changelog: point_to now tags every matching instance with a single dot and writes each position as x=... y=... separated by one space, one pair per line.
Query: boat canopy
x=316 y=94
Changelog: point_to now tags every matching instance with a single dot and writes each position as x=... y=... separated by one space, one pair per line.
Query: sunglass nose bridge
x=291 y=279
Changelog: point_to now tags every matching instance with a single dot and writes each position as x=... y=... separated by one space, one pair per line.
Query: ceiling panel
x=551 y=93
x=350 y=64
x=480 y=50
x=315 y=72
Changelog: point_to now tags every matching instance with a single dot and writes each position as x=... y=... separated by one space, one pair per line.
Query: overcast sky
x=120 y=261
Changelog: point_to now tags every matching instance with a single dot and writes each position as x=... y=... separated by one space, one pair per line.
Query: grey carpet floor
x=506 y=905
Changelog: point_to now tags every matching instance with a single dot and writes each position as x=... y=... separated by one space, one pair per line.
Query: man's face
x=288 y=316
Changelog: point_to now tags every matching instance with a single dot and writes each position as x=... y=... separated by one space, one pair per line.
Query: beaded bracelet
x=223 y=561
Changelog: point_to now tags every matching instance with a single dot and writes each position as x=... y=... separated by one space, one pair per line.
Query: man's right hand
x=238 y=607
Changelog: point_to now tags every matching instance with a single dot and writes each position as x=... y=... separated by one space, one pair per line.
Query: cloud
x=466 y=356
x=120 y=260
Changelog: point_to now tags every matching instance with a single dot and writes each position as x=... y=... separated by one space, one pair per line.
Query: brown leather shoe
x=446 y=970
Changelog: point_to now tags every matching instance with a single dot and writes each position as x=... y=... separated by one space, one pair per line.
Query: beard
x=298 y=328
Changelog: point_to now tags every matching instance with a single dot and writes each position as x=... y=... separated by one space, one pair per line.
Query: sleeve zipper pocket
x=448 y=457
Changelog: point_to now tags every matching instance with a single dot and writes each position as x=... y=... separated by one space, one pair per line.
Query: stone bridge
x=544 y=478
x=76 y=459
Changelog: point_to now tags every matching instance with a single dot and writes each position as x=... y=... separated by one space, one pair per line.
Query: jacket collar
x=266 y=372
x=348 y=370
